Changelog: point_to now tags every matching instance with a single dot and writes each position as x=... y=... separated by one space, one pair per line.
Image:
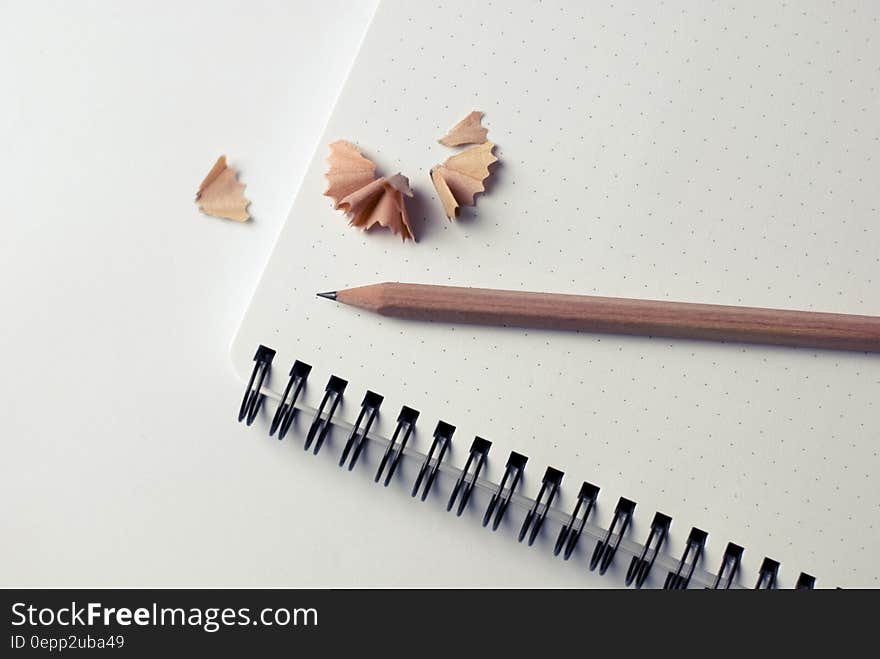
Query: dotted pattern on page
x=720 y=152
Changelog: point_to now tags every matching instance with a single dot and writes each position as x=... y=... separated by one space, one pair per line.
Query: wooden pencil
x=612 y=315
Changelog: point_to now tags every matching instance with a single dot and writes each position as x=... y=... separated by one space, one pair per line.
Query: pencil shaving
x=347 y=170
x=467 y=131
x=462 y=177
x=381 y=202
x=221 y=195
x=367 y=201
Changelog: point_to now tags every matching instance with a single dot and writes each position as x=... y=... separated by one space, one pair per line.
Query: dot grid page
x=715 y=152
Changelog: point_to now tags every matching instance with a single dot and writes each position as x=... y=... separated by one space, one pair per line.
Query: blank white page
x=720 y=152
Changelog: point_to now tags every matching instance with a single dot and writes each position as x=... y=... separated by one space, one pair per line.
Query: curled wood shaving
x=365 y=199
x=461 y=177
x=347 y=170
x=467 y=131
x=221 y=195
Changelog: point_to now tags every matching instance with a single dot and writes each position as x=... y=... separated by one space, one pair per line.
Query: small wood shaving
x=467 y=131
x=367 y=201
x=221 y=195
x=347 y=170
x=461 y=177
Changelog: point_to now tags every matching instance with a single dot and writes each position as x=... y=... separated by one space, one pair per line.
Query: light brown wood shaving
x=221 y=194
x=347 y=170
x=462 y=177
x=367 y=201
x=467 y=131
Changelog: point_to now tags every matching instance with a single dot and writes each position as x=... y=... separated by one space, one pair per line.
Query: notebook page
x=707 y=152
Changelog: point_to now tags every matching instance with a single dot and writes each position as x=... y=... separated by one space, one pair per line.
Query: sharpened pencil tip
x=330 y=295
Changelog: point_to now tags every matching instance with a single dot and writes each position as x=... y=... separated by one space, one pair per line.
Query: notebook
x=722 y=152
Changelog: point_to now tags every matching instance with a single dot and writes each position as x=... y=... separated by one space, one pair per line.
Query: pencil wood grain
x=612 y=315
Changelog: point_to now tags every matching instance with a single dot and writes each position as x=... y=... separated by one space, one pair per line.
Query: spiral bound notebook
x=707 y=152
